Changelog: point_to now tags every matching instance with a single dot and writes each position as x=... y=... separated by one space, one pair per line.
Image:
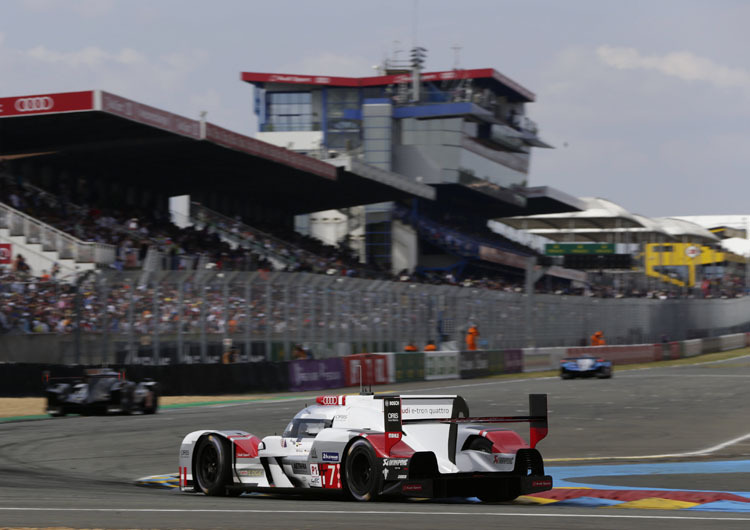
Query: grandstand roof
x=680 y=228
x=103 y=134
x=604 y=221
x=596 y=214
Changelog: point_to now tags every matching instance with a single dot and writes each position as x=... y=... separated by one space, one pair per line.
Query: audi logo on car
x=34 y=104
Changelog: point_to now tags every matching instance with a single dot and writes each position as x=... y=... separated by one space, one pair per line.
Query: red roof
x=383 y=80
x=100 y=101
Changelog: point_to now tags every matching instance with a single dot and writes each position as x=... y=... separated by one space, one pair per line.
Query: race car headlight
x=261 y=446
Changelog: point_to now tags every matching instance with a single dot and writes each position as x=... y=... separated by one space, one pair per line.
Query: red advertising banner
x=150 y=115
x=6 y=254
x=255 y=147
x=373 y=368
x=46 y=103
x=447 y=75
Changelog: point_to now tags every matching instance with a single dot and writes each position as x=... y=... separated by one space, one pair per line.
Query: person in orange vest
x=410 y=347
x=471 y=338
x=597 y=339
x=430 y=346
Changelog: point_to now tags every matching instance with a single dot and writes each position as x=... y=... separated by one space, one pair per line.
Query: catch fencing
x=170 y=317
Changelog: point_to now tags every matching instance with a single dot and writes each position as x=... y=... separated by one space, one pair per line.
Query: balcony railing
x=52 y=239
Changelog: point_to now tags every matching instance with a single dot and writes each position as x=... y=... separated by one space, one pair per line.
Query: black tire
x=153 y=406
x=566 y=375
x=212 y=465
x=56 y=410
x=480 y=443
x=502 y=494
x=361 y=477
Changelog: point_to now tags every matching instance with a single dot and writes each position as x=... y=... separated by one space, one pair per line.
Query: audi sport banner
x=316 y=375
x=6 y=254
x=47 y=103
x=150 y=115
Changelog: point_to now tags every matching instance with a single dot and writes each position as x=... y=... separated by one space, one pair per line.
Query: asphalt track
x=660 y=428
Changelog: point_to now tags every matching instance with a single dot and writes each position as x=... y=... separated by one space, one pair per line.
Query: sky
x=646 y=102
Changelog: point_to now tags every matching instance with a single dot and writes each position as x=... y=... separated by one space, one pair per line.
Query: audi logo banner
x=46 y=103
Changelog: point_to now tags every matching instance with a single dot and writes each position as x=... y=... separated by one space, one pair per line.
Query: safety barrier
x=692 y=347
x=367 y=368
x=542 y=359
x=441 y=365
x=637 y=353
x=19 y=379
x=732 y=342
x=316 y=374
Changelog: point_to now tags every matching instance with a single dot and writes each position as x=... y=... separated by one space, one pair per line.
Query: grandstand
x=193 y=228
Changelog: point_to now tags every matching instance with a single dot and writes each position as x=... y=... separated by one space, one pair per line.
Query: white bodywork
x=314 y=462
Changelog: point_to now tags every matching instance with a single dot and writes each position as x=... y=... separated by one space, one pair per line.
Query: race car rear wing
x=537 y=419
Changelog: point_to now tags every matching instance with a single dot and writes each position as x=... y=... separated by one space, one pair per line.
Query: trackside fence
x=368 y=369
x=194 y=317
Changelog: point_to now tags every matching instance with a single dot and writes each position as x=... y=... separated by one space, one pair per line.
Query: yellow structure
x=676 y=263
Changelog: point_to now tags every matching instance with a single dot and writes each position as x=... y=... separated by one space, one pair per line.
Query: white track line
x=374 y=512
x=702 y=452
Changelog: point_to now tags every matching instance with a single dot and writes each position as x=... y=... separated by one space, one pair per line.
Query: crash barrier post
x=372 y=367
x=310 y=374
x=732 y=342
x=693 y=347
x=441 y=365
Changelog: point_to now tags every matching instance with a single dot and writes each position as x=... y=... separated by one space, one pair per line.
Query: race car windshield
x=305 y=428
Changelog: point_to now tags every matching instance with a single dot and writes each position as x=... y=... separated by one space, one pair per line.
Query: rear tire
x=153 y=406
x=212 y=467
x=503 y=494
x=362 y=478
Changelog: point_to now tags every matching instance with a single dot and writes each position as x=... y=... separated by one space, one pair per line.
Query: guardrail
x=51 y=239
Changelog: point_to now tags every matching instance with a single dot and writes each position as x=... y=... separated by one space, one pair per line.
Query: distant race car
x=100 y=391
x=585 y=366
x=368 y=446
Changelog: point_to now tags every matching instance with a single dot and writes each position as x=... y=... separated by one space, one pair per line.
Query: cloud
x=683 y=65
x=90 y=56
x=331 y=64
x=88 y=8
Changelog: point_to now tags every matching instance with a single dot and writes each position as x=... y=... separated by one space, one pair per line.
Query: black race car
x=100 y=391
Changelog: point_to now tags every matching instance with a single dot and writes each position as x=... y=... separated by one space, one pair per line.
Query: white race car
x=369 y=446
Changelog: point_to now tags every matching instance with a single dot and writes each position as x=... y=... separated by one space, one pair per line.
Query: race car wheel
x=361 y=477
x=56 y=410
x=151 y=404
x=503 y=493
x=212 y=468
x=480 y=444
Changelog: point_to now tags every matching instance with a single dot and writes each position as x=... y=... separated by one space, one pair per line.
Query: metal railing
x=52 y=239
x=193 y=316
